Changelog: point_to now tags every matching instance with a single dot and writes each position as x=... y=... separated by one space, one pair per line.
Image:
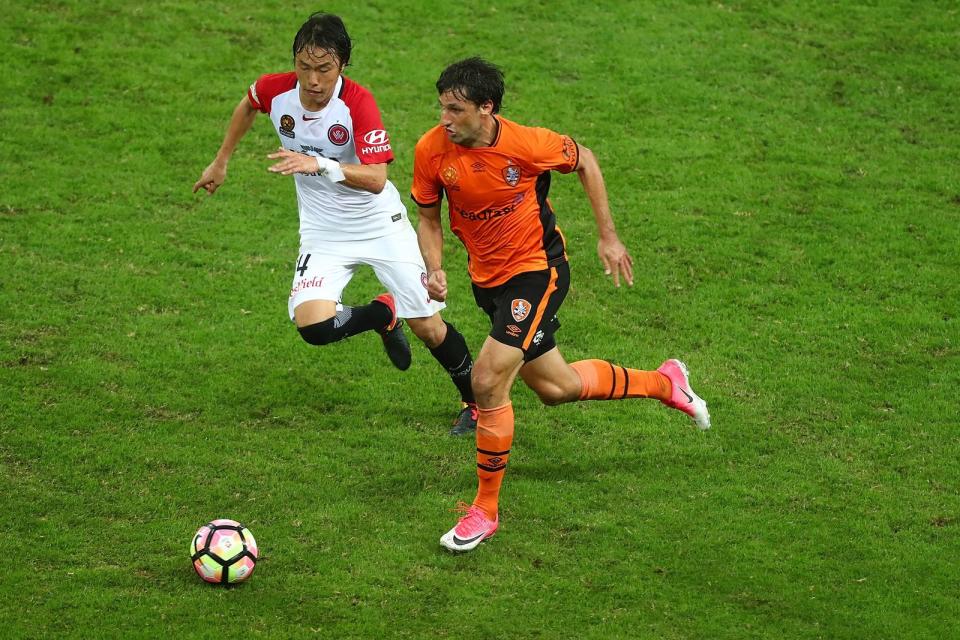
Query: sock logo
x=342 y=317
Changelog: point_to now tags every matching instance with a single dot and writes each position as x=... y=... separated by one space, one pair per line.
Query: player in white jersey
x=332 y=140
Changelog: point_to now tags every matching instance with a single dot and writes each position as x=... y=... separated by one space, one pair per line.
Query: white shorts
x=324 y=269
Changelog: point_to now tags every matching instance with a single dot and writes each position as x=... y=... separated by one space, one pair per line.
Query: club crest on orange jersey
x=511 y=174
x=449 y=175
x=519 y=309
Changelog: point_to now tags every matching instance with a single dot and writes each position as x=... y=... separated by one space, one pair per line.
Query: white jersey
x=349 y=130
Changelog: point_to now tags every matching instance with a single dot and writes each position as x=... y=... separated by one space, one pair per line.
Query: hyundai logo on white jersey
x=375 y=137
x=378 y=141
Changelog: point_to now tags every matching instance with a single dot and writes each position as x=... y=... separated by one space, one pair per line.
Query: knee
x=319 y=333
x=484 y=380
x=430 y=331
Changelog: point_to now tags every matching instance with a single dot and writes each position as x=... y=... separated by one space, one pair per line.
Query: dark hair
x=327 y=32
x=475 y=80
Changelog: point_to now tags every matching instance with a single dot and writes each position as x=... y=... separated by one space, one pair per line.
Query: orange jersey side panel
x=498 y=196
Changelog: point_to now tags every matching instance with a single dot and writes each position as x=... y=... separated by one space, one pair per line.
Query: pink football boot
x=683 y=397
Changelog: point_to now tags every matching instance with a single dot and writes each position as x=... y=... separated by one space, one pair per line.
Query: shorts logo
x=513 y=330
x=338 y=135
x=423 y=279
x=377 y=136
x=519 y=309
x=449 y=175
x=286 y=126
x=306 y=283
x=511 y=174
x=537 y=337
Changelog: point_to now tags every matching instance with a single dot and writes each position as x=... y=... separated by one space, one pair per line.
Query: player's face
x=317 y=72
x=465 y=122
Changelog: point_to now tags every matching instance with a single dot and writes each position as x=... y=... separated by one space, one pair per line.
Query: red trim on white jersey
x=369 y=136
x=262 y=92
x=347 y=129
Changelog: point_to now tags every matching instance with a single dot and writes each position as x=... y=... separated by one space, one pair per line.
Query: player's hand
x=616 y=259
x=291 y=162
x=437 y=285
x=211 y=178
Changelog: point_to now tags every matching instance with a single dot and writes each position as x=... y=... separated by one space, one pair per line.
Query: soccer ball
x=224 y=552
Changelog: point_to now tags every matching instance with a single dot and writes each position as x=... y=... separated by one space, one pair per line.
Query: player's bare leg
x=314 y=311
x=551 y=378
x=494 y=371
x=430 y=330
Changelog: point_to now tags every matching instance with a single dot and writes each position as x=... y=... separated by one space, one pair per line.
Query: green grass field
x=787 y=177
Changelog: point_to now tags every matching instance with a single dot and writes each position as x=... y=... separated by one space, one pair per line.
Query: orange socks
x=494 y=438
x=601 y=380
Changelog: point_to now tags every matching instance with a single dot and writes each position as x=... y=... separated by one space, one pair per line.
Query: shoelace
x=473 y=521
x=461 y=507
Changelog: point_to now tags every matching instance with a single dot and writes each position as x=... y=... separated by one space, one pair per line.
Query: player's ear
x=487 y=108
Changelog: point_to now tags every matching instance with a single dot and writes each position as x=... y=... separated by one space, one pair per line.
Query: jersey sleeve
x=551 y=151
x=426 y=189
x=371 y=139
x=267 y=87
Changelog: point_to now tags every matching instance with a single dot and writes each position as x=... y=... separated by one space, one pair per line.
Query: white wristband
x=331 y=169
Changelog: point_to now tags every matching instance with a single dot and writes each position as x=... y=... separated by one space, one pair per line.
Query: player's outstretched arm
x=430 y=238
x=216 y=173
x=613 y=254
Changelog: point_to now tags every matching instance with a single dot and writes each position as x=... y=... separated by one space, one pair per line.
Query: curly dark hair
x=474 y=80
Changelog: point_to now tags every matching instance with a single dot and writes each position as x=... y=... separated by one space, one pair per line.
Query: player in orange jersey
x=496 y=175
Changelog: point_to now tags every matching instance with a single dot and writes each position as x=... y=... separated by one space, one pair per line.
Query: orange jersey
x=497 y=196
